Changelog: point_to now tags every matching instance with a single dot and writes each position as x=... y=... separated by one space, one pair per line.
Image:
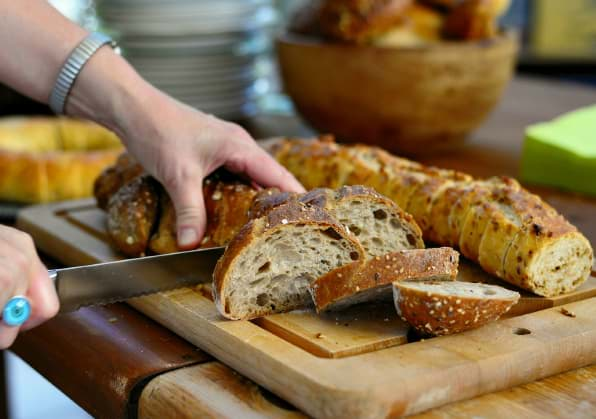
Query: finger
x=17 y=240
x=191 y=217
x=262 y=168
x=14 y=273
x=7 y=335
x=43 y=298
x=7 y=283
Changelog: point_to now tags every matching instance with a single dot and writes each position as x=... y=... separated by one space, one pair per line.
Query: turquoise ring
x=16 y=311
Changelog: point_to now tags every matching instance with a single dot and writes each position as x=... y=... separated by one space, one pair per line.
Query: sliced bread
x=270 y=263
x=353 y=284
x=380 y=225
x=444 y=308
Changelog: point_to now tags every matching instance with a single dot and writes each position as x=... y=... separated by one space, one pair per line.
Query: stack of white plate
x=210 y=54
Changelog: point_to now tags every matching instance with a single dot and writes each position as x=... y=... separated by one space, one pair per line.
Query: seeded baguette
x=545 y=246
x=380 y=225
x=510 y=209
x=444 y=308
x=132 y=213
x=141 y=218
x=468 y=219
x=438 y=230
x=353 y=284
x=270 y=263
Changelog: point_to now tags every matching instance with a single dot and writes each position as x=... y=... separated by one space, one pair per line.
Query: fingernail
x=187 y=236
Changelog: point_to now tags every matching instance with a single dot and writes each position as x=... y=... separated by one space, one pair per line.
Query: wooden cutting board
x=357 y=363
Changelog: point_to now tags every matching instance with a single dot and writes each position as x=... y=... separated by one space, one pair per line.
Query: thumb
x=191 y=218
x=44 y=301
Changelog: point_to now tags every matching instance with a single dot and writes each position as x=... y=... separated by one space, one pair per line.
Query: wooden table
x=115 y=362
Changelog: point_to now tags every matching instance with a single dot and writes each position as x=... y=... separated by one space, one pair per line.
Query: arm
x=175 y=143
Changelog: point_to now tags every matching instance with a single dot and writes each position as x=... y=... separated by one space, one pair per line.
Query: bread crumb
x=216 y=195
x=567 y=313
x=113 y=319
x=458 y=301
x=205 y=239
x=129 y=240
x=320 y=336
x=284 y=221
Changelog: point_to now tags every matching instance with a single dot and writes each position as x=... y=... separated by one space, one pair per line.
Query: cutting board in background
x=359 y=363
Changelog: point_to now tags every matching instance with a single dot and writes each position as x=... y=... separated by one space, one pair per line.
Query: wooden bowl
x=410 y=100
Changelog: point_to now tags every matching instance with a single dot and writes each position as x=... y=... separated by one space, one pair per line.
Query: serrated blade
x=109 y=282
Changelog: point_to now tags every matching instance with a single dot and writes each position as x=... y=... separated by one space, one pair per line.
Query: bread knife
x=109 y=282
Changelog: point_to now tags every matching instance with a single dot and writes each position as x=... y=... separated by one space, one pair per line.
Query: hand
x=175 y=143
x=180 y=146
x=22 y=273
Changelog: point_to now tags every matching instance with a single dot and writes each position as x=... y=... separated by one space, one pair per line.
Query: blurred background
x=218 y=56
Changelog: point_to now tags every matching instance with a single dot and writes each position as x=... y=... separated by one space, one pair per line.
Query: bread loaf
x=444 y=308
x=45 y=159
x=142 y=219
x=493 y=222
x=269 y=264
x=355 y=284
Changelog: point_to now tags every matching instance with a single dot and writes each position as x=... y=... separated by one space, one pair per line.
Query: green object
x=562 y=152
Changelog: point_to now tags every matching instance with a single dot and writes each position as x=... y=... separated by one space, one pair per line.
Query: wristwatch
x=73 y=66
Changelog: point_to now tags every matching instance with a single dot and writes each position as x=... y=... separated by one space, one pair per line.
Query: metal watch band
x=73 y=66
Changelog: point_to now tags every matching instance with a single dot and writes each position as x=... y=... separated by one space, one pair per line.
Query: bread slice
x=509 y=209
x=444 y=308
x=353 y=284
x=269 y=265
x=548 y=255
x=380 y=225
x=439 y=230
x=475 y=210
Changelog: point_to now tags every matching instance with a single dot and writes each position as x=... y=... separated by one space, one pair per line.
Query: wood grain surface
x=429 y=373
x=210 y=390
x=494 y=149
x=214 y=390
x=102 y=356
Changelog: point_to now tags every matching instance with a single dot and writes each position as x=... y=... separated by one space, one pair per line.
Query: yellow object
x=45 y=159
x=564 y=28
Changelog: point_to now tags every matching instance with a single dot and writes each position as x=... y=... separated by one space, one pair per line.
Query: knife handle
x=16 y=311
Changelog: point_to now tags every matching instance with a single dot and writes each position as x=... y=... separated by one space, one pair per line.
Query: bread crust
x=436 y=314
x=132 y=215
x=288 y=214
x=543 y=227
x=359 y=20
x=438 y=230
x=39 y=163
x=510 y=209
x=471 y=208
x=124 y=170
x=335 y=289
